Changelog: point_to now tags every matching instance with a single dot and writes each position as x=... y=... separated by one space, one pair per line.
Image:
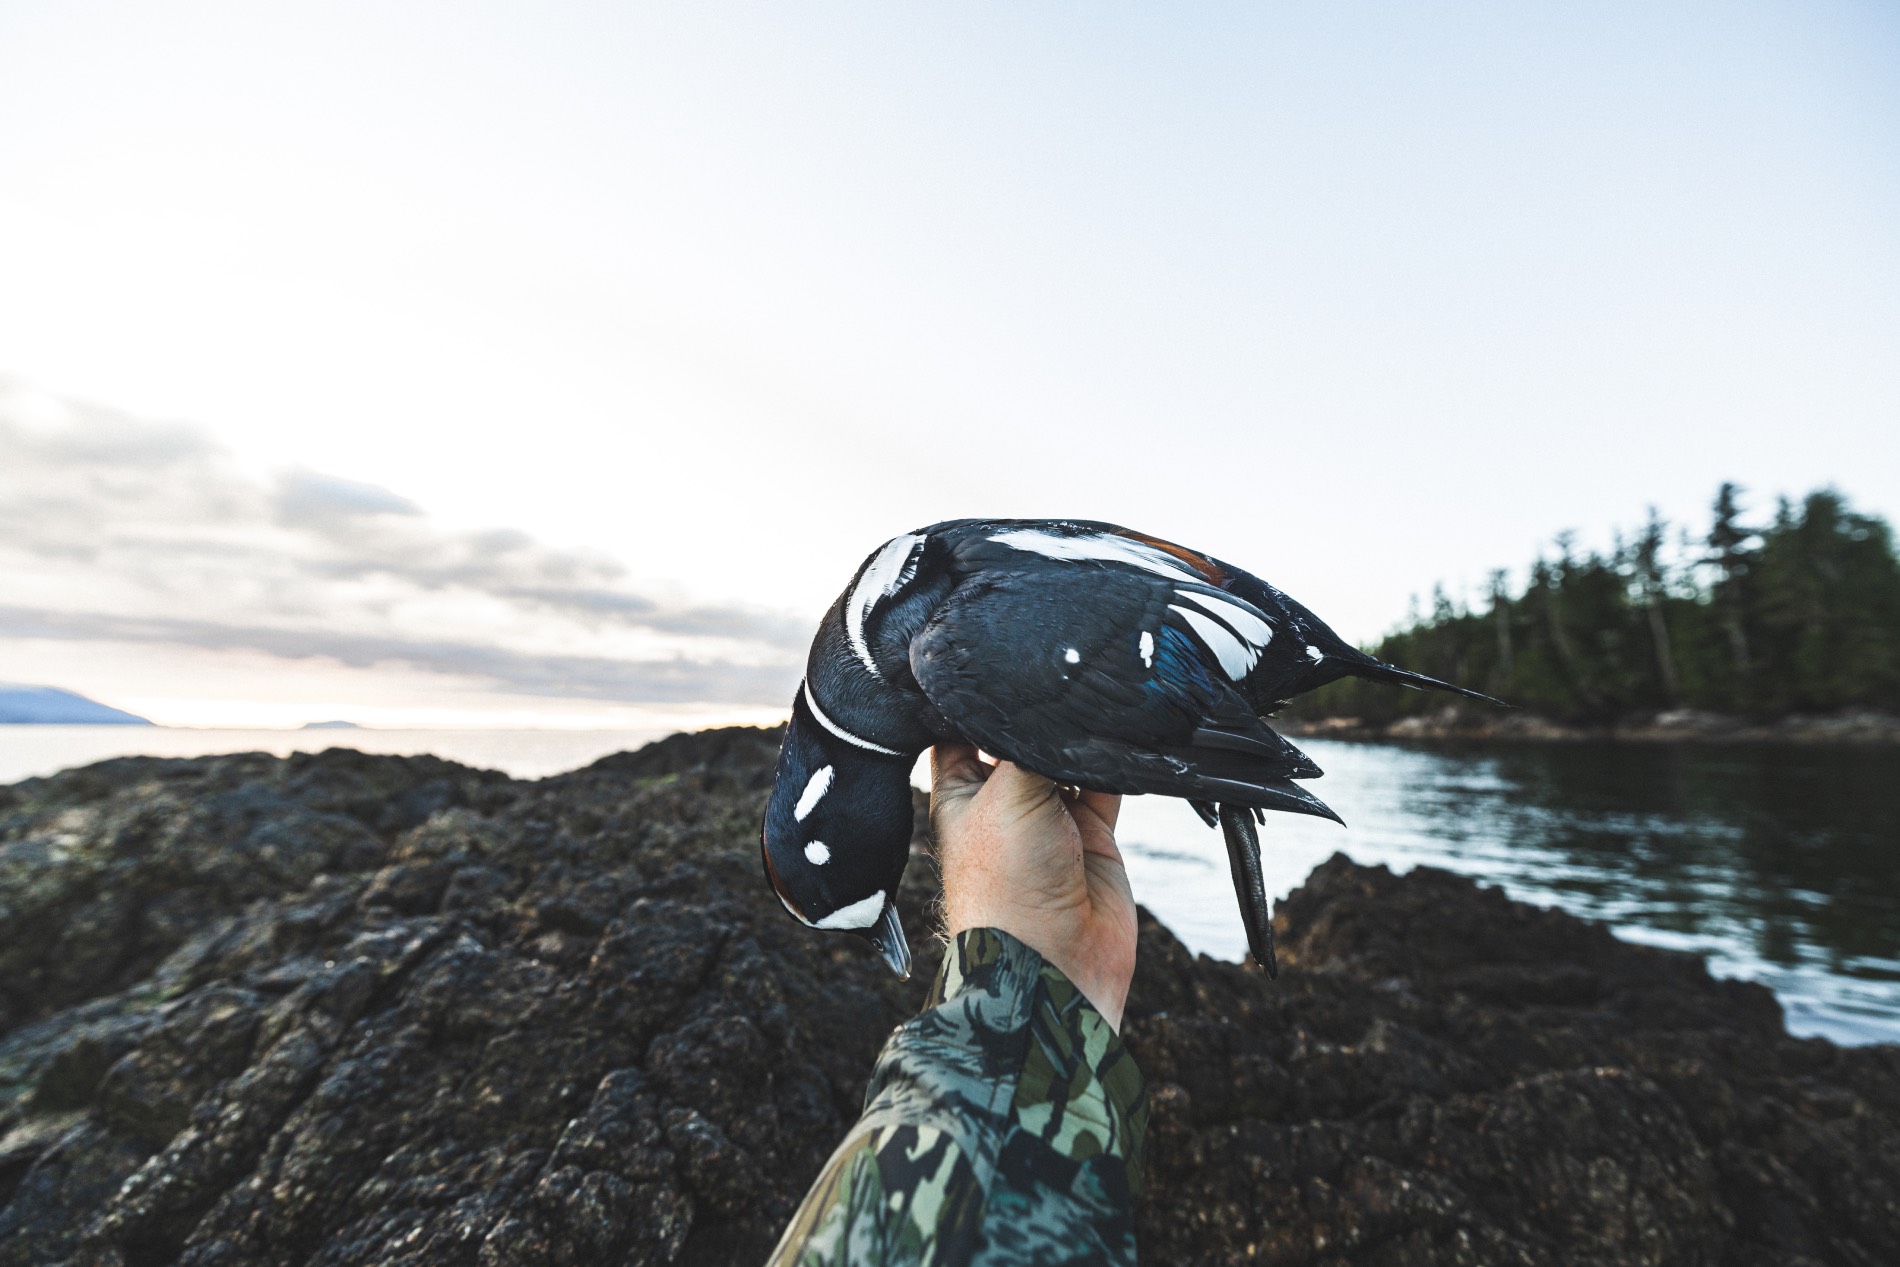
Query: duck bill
x=888 y=936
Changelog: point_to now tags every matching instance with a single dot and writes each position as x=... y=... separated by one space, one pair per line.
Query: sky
x=556 y=365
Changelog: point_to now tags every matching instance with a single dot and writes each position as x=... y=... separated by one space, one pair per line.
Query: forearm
x=1007 y=1116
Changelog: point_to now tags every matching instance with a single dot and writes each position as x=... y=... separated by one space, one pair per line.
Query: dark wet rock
x=344 y=1009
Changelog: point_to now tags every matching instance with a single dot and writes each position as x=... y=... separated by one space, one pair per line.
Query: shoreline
x=1863 y=728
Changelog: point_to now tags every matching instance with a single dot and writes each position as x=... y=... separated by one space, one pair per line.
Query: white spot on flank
x=1099 y=548
x=1315 y=654
x=1236 y=657
x=884 y=575
x=1072 y=656
x=811 y=702
x=1147 y=649
x=817 y=853
x=857 y=915
x=814 y=790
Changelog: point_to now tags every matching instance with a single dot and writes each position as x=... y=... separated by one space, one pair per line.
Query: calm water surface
x=30 y=751
x=1782 y=865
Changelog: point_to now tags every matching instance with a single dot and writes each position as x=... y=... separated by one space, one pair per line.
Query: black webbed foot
x=1243 y=856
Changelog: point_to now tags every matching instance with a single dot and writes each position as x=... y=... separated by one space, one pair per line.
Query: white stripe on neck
x=811 y=702
x=884 y=575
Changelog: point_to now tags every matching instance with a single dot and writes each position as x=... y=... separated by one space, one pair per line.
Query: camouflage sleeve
x=1002 y=1125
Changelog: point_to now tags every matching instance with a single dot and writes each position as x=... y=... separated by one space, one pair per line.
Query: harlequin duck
x=1095 y=656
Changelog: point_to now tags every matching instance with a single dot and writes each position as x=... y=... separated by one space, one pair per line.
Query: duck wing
x=1100 y=674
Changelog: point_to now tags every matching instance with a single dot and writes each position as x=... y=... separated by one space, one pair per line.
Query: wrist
x=1101 y=974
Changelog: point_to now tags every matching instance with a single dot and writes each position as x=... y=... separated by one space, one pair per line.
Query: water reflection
x=1780 y=864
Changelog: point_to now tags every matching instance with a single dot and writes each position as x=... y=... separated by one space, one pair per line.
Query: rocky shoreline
x=346 y=1009
x=1677 y=726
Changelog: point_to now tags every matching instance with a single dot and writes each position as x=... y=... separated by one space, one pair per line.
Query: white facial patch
x=1236 y=658
x=1099 y=548
x=817 y=853
x=811 y=702
x=884 y=575
x=1072 y=656
x=814 y=791
x=857 y=915
x=1147 y=646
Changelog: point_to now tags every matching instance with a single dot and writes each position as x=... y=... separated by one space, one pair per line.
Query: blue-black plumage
x=1090 y=654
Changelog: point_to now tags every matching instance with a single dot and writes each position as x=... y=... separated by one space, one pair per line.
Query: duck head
x=837 y=834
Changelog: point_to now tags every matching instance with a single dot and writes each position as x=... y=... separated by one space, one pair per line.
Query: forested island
x=1739 y=624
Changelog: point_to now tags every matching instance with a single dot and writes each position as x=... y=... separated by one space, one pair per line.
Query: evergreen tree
x=1732 y=556
x=1802 y=615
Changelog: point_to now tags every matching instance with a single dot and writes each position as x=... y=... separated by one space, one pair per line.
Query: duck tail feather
x=1380 y=671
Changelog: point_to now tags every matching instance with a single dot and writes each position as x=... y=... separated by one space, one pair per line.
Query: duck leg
x=1243 y=856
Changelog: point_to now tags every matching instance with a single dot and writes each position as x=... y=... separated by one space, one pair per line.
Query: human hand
x=1020 y=854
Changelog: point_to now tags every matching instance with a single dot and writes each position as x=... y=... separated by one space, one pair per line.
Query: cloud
x=314 y=500
x=120 y=530
x=675 y=681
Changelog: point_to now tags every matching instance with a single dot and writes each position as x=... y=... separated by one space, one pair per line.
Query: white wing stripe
x=1244 y=622
x=885 y=574
x=1099 y=548
x=1235 y=656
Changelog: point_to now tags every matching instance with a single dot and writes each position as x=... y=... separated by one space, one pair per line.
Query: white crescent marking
x=792 y=910
x=885 y=574
x=1236 y=657
x=857 y=915
x=812 y=703
x=814 y=791
x=1099 y=548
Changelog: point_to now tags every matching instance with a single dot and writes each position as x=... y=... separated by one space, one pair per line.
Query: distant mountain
x=331 y=725
x=50 y=706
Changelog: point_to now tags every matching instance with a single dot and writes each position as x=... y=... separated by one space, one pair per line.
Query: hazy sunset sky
x=555 y=364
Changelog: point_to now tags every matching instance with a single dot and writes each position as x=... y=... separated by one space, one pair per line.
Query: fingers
x=957 y=774
x=1106 y=806
x=1019 y=792
x=956 y=770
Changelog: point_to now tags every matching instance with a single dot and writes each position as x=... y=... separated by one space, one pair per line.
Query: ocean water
x=1781 y=865
x=30 y=751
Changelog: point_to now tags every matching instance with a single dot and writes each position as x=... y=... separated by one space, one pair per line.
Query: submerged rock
x=341 y=1009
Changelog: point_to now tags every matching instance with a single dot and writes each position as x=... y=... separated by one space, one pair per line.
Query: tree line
x=1800 y=614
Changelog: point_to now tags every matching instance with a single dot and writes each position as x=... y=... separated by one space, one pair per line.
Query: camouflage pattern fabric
x=1003 y=1125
